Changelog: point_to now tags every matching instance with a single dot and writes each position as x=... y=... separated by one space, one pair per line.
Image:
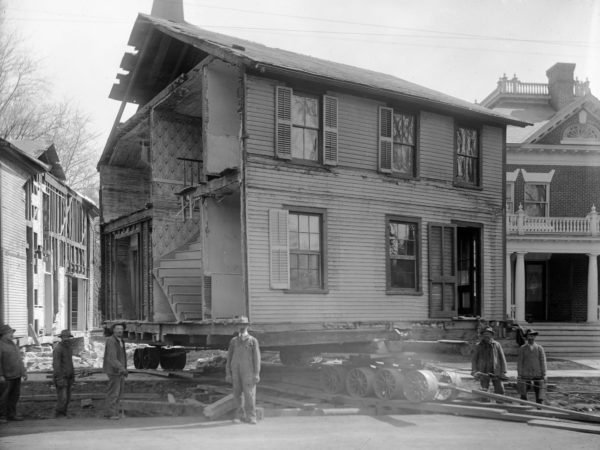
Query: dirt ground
x=38 y=400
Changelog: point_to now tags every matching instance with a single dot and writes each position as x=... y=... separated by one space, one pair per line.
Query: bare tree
x=25 y=115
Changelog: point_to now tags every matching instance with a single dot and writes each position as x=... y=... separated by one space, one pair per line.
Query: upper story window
x=403 y=255
x=536 y=196
x=397 y=142
x=297 y=249
x=467 y=170
x=536 y=199
x=306 y=126
x=510 y=197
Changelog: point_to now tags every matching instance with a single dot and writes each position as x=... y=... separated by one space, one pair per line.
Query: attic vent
x=238 y=47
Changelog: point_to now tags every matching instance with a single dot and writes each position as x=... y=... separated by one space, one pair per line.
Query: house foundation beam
x=592 y=290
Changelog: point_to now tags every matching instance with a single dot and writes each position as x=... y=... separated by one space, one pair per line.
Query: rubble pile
x=87 y=354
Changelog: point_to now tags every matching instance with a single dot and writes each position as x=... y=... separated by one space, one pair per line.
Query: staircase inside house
x=179 y=274
x=565 y=339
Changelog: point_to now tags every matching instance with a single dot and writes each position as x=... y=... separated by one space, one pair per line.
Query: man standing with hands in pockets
x=243 y=371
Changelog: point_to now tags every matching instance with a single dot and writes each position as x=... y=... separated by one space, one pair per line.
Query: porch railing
x=521 y=223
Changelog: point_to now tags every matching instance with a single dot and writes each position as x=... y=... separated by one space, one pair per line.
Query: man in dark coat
x=488 y=362
x=115 y=366
x=64 y=375
x=243 y=371
x=531 y=368
x=12 y=370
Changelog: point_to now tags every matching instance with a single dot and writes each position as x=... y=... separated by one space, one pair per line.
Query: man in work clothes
x=12 y=370
x=64 y=375
x=115 y=366
x=489 y=362
x=243 y=370
x=531 y=368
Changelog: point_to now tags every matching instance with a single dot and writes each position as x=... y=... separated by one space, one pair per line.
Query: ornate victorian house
x=552 y=192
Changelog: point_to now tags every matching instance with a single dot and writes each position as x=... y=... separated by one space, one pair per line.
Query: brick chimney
x=560 y=84
x=168 y=9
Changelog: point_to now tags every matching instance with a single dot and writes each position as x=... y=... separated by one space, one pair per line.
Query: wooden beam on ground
x=220 y=407
x=91 y=395
x=155 y=408
x=574 y=415
x=285 y=401
x=560 y=425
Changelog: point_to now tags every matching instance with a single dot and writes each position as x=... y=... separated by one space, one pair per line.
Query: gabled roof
x=562 y=115
x=277 y=61
x=44 y=152
x=31 y=163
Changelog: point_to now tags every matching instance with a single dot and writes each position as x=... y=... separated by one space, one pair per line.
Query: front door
x=469 y=274
x=535 y=291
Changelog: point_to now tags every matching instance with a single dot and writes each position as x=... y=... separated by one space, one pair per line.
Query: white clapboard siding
x=14 y=248
x=357 y=198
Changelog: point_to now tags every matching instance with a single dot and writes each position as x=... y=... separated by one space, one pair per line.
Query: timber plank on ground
x=580 y=427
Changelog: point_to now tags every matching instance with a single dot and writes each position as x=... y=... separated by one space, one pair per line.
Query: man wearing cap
x=115 y=366
x=489 y=362
x=64 y=375
x=531 y=368
x=12 y=370
x=243 y=371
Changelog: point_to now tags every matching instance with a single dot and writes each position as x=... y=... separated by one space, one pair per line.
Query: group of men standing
x=242 y=370
x=489 y=364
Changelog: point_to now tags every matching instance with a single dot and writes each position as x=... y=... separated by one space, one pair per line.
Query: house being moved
x=317 y=198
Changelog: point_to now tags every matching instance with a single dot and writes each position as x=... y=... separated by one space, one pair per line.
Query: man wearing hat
x=115 y=366
x=489 y=362
x=64 y=375
x=243 y=371
x=531 y=368
x=12 y=370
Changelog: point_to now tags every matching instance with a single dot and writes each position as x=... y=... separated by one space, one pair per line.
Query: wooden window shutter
x=279 y=258
x=386 y=140
x=283 y=122
x=442 y=270
x=330 y=130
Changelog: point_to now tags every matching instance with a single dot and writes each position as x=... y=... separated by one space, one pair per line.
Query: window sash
x=306 y=250
x=467 y=155
x=403 y=255
x=305 y=127
x=536 y=199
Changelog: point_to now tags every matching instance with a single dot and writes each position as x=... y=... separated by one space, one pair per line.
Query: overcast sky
x=459 y=47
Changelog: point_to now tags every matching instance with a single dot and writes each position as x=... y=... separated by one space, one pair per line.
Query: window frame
x=416 y=146
x=509 y=188
x=324 y=289
x=458 y=182
x=546 y=203
x=418 y=290
x=319 y=129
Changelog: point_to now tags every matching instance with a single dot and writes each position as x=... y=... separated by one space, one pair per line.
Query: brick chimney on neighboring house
x=561 y=84
x=168 y=9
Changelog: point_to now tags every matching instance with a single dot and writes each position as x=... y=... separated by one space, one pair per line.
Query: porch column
x=592 y=290
x=510 y=313
x=520 y=287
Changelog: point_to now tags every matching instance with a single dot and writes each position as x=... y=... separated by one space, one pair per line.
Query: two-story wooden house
x=307 y=194
x=552 y=192
x=47 y=241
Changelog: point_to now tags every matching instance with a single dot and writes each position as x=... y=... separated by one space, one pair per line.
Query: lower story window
x=403 y=238
x=305 y=250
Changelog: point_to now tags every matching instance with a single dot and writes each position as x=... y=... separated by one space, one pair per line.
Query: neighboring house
x=295 y=190
x=552 y=192
x=48 y=242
